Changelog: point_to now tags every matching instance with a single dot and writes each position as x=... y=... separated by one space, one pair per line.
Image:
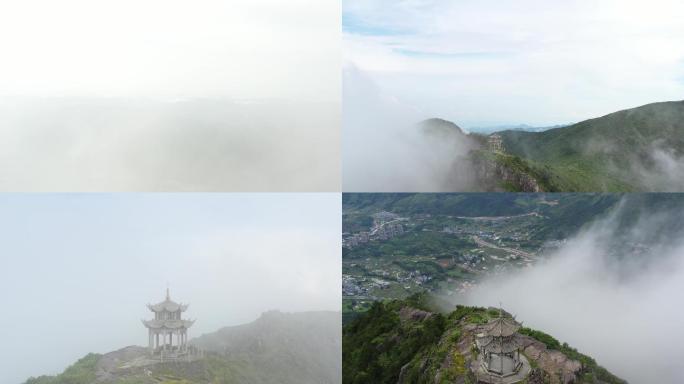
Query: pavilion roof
x=168 y=324
x=167 y=305
x=501 y=327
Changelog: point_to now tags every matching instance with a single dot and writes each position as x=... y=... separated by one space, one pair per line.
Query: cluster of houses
x=356 y=239
x=382 y=232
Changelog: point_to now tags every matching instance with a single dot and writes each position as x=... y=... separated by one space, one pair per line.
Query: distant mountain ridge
x=276 y=348
x=637 y=149
x=299 y=347
x=514 y=127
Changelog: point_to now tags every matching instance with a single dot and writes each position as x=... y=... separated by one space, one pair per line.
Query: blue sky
x=78 y=269
x=511 y=62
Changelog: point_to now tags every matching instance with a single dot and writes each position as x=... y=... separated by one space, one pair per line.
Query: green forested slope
x=409 y=341
x=597 y=154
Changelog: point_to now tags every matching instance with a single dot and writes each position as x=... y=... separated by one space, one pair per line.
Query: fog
x=121 y=144
x=78 y=270
x=663 y=170
x=384 y=149
x=613 y=292
x=169 y=95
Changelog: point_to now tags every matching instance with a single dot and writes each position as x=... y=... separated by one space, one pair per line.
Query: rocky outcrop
x=538 y=376
x=412 y=314
x=560 y=368
x=109 y=363
x=552 y=366
x=523 y=181
x=496 y=170
x=399 y=343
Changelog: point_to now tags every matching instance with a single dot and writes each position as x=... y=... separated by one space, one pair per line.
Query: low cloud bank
x=613 y=292
x=101 y=144
x=664 y=171
x=384 y=150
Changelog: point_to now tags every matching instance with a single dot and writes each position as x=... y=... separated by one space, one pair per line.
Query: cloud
x=289 y=270
x=165 y=95
x=480 y=63
x=663 y=171
x=112 y=144
x=611 y=291
x=384 y=149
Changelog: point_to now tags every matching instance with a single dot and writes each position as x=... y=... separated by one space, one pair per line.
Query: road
x=526 y=255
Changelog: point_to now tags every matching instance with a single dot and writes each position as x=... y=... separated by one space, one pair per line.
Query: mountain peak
x=437 y=125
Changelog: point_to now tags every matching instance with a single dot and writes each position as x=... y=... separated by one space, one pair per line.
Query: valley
x=397 y=245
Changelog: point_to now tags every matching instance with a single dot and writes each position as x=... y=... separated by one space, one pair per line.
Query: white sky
x=523 y=61
x=76 y=270
x=171 y=48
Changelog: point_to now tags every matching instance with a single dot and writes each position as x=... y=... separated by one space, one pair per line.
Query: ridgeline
x=412 y=341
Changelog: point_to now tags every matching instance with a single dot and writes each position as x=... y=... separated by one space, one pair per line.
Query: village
x=397 y=256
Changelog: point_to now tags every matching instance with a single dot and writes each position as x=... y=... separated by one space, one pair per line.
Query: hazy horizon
x=111 y=144
x=80 y=268
x=266 y=74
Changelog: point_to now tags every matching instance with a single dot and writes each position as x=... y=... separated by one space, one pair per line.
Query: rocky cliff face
x=520 y=181
x=499 y=172
x=559 y=367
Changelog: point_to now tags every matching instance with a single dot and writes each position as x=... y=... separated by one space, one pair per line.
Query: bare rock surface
x=408 y=313
x=109 y=363
x=561 y=368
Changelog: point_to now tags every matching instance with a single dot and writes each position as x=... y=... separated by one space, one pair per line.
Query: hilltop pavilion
x=168 y=331
x=495 y=143
x=500 y=352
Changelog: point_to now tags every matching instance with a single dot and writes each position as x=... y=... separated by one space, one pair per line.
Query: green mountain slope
x=600 y=154
x=276 y=348
x=410 y=341
x=299 y=347
x=638 y=149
